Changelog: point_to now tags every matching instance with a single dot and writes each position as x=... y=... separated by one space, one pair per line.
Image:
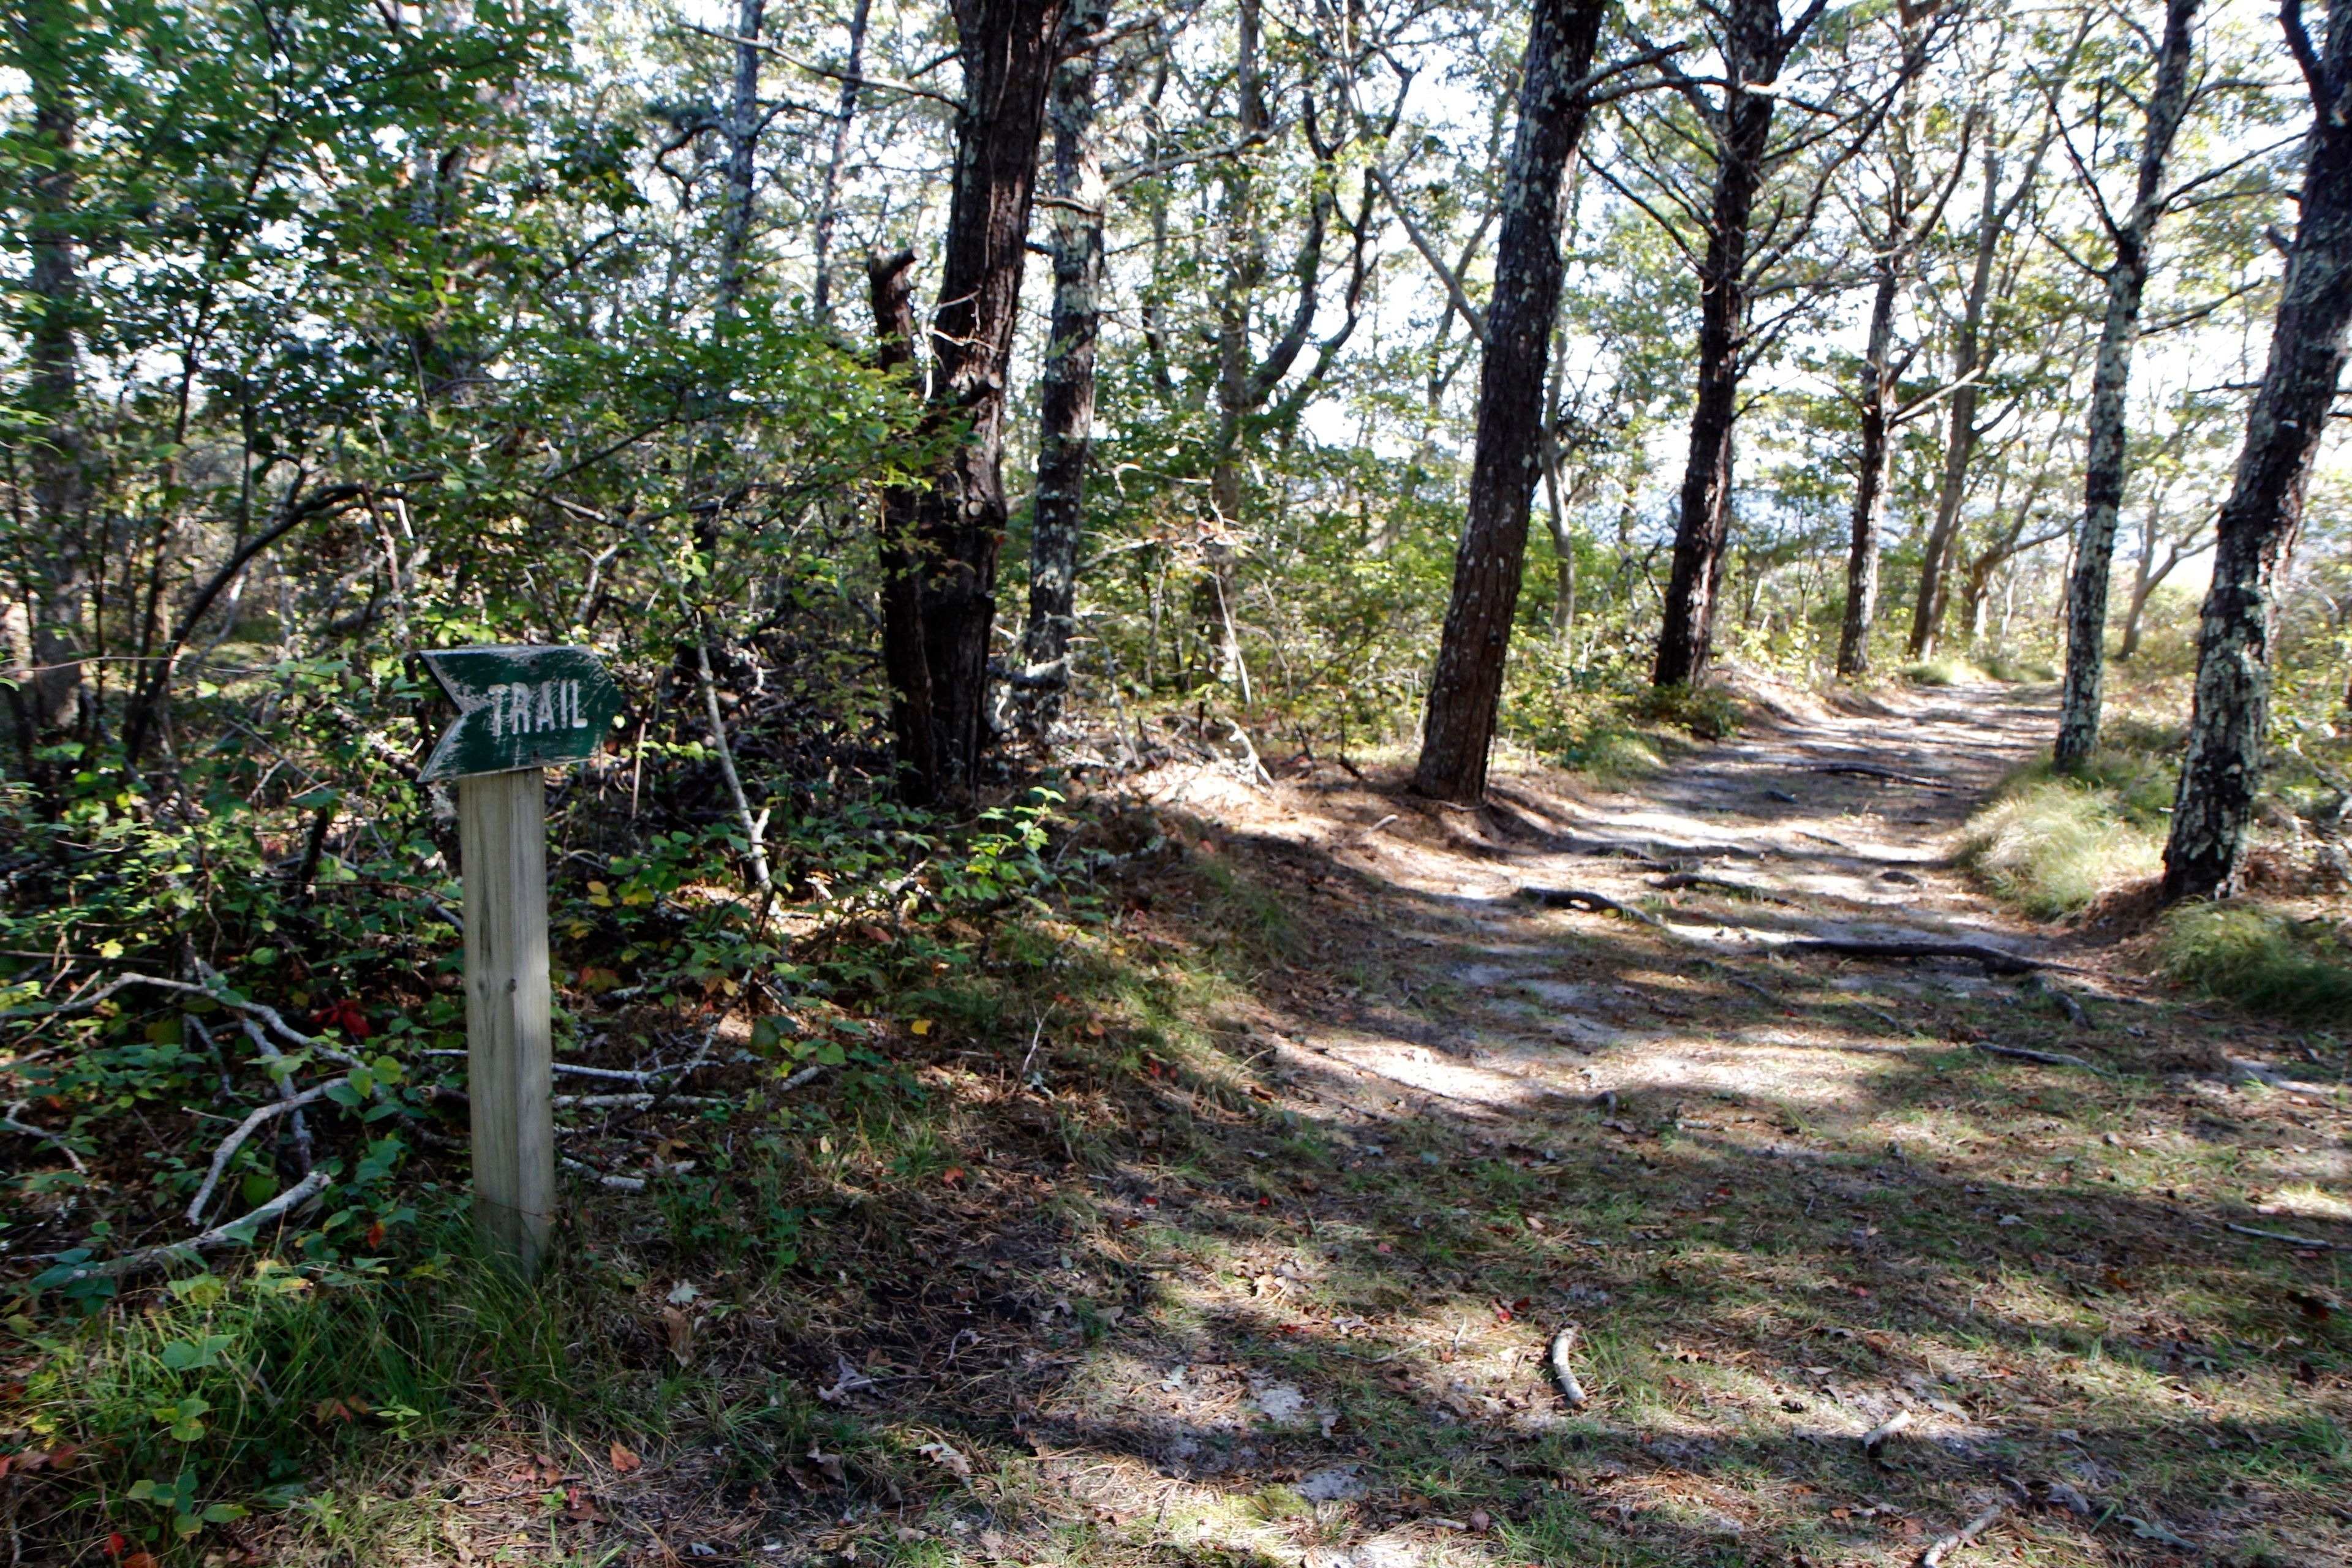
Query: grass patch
x=2259 y=959
x=2002 y=665
x=2051 y=843
x=1942 y=670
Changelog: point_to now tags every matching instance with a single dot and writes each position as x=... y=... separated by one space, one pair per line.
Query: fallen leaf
x=681 y=1335
x=830 y=1464
x=947 y=1458
x=625 y=1459
x=951 y=1176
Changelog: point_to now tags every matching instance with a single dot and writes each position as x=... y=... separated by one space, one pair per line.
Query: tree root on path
x=1682 y=880
x=1585 y=899
x=1865 y=770
x=1996 y=961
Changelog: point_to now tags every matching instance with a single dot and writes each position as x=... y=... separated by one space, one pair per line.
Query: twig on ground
x=286 y=1094
x=234 y=1231
x=2047 y=1058
x=1865 y=770
x=1876 y=1437
x=235 y=1141
x=2290 y=1240
x=1996 y=961
x=1946 y=1545
x=1564 y=1370
x=1585 y=899
x=1889 y=1020
x=1366 y=835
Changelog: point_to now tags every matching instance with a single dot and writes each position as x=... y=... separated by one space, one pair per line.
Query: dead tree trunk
x=1468 y=683
x=1874 y=472
x=904 y=664
x=1067 y=397
x=2103 y=477
x=1753 y=48
x=2222 y=770
x=744 y=123
x=952 y=526
x=1993 y=221
x=828 y=210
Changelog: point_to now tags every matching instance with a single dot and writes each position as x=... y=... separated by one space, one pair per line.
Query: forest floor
x=1297 y=1306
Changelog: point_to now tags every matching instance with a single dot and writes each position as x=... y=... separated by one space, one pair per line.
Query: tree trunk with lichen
x=2222 y=772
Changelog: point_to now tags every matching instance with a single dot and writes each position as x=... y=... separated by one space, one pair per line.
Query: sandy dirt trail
x=1784 y=1197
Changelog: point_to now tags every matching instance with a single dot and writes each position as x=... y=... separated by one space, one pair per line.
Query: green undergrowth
x=1025 y=1009
x=2051 y=843
x=2260 y=959
x=1944 y=669
x=1617 y=734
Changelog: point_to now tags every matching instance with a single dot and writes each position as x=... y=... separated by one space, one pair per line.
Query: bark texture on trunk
x=1488 y=568
x=2103 y=476
x=1065 y=420
x=744 y=123
x=60 y=453
x=904 y=664
x=956 y=529
x=1753 y=50
x=1872 y=473
x=2222 y=771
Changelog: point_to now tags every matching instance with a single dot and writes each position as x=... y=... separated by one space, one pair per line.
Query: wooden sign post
x=520 y=710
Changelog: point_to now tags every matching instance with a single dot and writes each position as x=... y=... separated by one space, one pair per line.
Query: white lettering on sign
x=522 y=709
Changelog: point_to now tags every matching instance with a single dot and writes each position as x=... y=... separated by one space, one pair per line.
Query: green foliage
x=2260 y=959
x=1944 y=670
x=226 y=1392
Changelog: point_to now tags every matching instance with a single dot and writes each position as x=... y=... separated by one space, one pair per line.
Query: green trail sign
x=519 y=708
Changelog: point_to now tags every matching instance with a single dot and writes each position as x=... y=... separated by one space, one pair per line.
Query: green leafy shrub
x=2259 y=959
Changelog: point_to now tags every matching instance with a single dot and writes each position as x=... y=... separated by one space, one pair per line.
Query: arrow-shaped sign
x=519 y=708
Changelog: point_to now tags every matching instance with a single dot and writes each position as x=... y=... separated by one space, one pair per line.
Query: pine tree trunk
x=1068 y=398
x=59 y=452
x=1752 y=50
x=1874 y=472
x=2103 y=477
x=1467 y=685
x=956 y=531
x=2222 y=770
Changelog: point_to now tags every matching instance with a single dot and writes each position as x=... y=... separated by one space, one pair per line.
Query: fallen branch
x=45 y=1136
x=1876 y=1437
x=236 y=1232
x=1585 y=899
x=1564 y=1370
x=1946 y=1545
x=1995 y=959
x=2047 y=1058
x=618 y=1183
x=2290 y=1240
x=235 y=1141
x=1865 y=770
x=267 y=1015
x=1682 y=880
